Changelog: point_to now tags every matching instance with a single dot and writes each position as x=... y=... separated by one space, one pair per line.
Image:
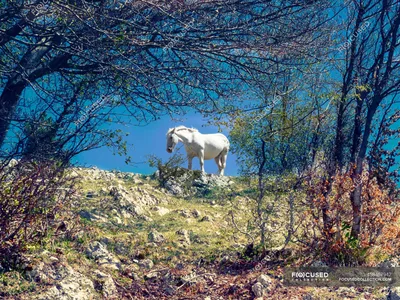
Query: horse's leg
x=223 y=162
x=190 y=159
x=201 y=158
x=218 y=162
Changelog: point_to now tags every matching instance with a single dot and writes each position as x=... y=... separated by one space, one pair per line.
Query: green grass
x=205 y=242
x=210 y=240
x=13 y=283
x=210 y=243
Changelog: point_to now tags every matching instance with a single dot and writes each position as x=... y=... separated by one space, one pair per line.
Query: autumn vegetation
x=308 y=90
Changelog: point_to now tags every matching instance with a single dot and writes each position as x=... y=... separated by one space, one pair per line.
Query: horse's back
x=214 y=144
x=216 y=138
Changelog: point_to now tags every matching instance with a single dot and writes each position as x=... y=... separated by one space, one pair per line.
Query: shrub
x=272 y=212
x=169 y=170
x=171 y=173
x=33 y=199
x=328 y=219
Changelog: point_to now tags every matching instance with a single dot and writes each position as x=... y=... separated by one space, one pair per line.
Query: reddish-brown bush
x=328 y=219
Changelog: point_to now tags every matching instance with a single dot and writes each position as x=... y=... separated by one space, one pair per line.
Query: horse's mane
x=181 y=127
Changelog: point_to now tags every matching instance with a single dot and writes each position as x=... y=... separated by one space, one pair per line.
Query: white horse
x=203 y=146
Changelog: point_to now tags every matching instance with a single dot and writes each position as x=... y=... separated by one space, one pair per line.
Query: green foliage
x=171 y=170
x=287 y=138
x=350 y=240
x=13 y=283
x=352 y=251
x=40 y=139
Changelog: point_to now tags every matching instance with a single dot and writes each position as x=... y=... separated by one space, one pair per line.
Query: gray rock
x=156 y=237
x=106 y=284
x=212 y=180
x=91 y=194
x=53 y=259
x=151 y=275
x=100 y=254
x=126 y=215
x=188 y=183
x=70 y=285
x=206 y=219
x=196 y=213
x=184 y=237
x=394 y=293
x=265 y=280
x=318 y=264
x=185 y=213
x=133 y=201
x=118 y=220
x=12 y=163
x=161 y=211
x=146 y=218
x=262 y=286
x=93 y=216
x=137 y=210
x=389 y=263
x=39 y=273
x=174 y=188
x=138 y=181
x=225 y=259
x=258 y=290
x=146 y=263
x=104 y=191
x=136 y=277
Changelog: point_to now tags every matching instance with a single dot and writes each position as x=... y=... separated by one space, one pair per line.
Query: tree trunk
x=355 y=196
x=357 y=126
x=8 y=102
x=338 y=159
x=261 y=191
x=338 y=149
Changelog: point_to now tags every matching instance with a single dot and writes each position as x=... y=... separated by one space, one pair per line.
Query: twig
x=125 y=290
x=237 y=228
x=211 y=274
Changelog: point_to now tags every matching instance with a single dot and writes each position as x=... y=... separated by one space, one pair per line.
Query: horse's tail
x=227 y=145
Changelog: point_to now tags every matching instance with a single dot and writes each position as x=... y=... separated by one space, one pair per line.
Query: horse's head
x=172 y=140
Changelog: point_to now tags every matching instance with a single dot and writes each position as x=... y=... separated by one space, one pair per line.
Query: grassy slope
x=211 y=242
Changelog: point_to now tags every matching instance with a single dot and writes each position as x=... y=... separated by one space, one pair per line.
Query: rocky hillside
x=150 y=237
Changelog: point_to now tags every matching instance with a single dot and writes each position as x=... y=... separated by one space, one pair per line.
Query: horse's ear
x=173 y=130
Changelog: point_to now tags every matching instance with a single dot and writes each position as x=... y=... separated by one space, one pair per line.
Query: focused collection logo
x=341 y=276
x=310 y=276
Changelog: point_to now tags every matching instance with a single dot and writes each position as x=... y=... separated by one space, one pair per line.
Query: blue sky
x=151 y=139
